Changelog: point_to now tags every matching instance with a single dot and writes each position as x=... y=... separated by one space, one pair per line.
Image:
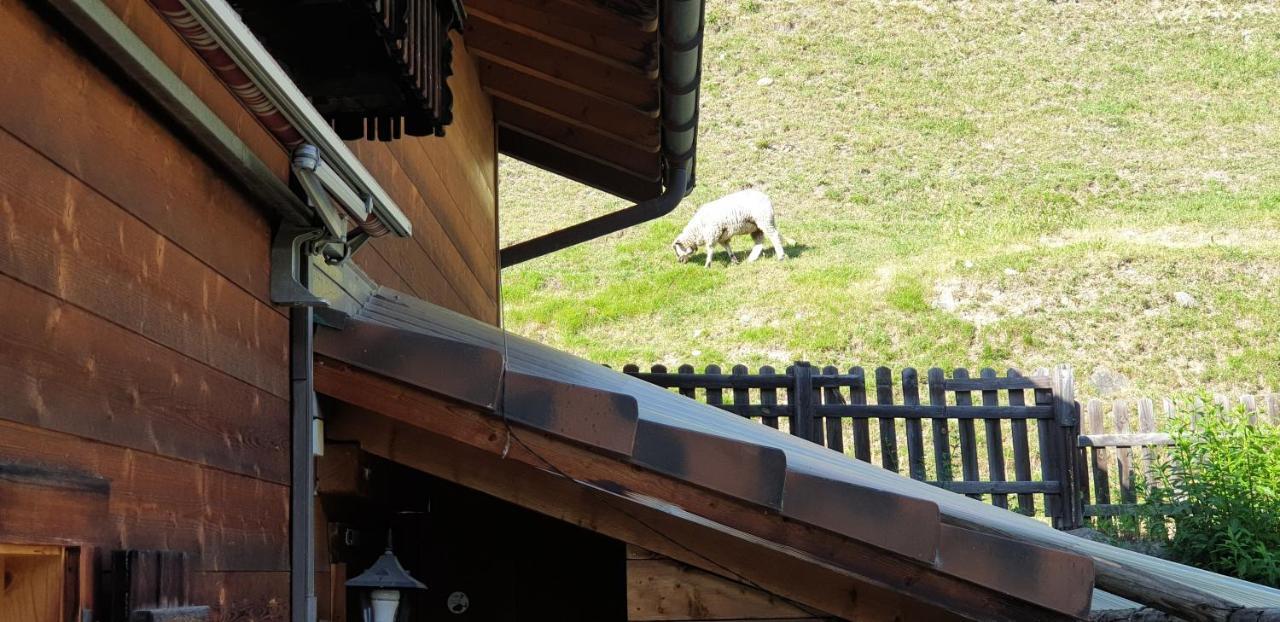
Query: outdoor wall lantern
x=381 y=588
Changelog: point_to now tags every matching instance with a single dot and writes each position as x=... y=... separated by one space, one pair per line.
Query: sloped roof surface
x=803 y=481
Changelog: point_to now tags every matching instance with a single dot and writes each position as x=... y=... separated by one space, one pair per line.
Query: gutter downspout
x=681 y=33
x=302 y=546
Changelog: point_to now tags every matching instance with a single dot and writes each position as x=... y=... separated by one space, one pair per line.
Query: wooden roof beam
x=641 y=162
x=589 y=15
x=537 y=57
x=642 y=58
x=581 y=167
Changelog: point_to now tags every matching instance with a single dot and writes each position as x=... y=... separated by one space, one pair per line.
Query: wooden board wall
x=143 y=371
x=662 y=589
x=446 y=186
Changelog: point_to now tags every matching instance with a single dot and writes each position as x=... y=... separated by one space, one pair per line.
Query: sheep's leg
x=729 y=249
x=758 y=238
x=711 y=251
x=776 y=239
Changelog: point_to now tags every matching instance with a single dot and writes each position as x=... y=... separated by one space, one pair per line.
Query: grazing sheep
x=748 y=211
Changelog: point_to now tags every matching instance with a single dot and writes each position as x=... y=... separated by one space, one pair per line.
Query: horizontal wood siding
x=447 y=186
x=143 y=370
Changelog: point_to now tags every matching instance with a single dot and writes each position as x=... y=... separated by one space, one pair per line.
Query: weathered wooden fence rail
x=1026 y=447
x=1030 y=443
x=1121 y=440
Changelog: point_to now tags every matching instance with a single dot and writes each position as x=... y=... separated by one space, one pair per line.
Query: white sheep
x=747 y=211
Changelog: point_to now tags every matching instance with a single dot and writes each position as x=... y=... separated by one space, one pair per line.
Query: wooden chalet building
x=249 y=268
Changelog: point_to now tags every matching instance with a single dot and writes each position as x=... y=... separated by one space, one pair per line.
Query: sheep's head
x=683 y=251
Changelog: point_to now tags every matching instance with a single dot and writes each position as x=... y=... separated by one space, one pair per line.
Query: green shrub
x=1220 y=482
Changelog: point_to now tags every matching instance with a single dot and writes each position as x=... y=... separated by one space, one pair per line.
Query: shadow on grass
x=792 y=251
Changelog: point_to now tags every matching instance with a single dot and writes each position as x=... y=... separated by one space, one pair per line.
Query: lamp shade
x=386 y=574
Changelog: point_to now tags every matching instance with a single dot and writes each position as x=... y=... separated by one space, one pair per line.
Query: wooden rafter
x=519 y=51
x=630 y=45
x=581 y=167
x=572 y=108
x=644 y=163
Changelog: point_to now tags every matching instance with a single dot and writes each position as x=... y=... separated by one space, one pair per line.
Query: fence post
x=1066 y=413
x=801 y=399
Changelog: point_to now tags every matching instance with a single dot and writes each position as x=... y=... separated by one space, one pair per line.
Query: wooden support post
x=801 y=398
x=1068 y=453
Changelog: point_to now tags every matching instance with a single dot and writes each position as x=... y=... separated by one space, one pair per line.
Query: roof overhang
x=640 y=449
x=605 y=93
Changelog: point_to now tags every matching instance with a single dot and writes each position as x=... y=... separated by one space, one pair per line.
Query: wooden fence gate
x=839 y=410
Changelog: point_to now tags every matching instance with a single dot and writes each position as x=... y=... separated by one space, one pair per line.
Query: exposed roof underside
x=576 y=87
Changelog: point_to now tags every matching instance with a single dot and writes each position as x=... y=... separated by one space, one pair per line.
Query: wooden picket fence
x=1121 y=440
x=881 y=418
x=839 y=409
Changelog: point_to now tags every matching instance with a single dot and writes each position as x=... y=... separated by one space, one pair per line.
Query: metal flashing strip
x=904 y=525
x=451 y=368
x=212 y=27
x=1032 y=573
x=746 y=471
x=601 y=419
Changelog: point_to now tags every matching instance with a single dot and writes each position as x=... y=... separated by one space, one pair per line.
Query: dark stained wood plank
x=123 y=153
x=67 y=240
x=591 y=51
x=566 y=101
x=941 y=435
x=1021 y=448
x=741 y=395
x=632 y=46
x=888 y=430
x=635 y=87
x=915 y=433
x=640 y=137
x=579 y=167
x=769 y=398
x=834 y=426
x=995 y=440
x=473 y=285
x=37 y=498
x=66 y=370
x=454 y=205
x=861 y=429
x=715 y=396
x=687 y=391
x=1046 y=433
x=230 y=522
x=641 y=161
x=472 y=128
x=592 y=16
x=968 y=435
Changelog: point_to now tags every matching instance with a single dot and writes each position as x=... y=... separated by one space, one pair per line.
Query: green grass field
x=968 y=184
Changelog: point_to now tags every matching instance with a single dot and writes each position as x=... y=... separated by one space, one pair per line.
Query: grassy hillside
x=1005 y=184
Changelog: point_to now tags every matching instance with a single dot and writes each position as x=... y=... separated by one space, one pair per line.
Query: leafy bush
x=1220 y=483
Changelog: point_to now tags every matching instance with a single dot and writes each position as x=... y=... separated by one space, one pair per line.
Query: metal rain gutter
x=223 y=25
x=681 y=33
